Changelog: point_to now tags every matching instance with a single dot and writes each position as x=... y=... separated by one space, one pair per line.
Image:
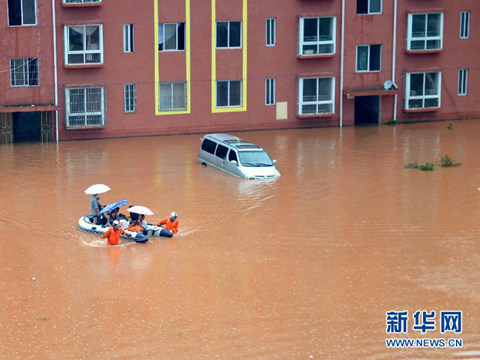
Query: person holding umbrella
x=95 y=207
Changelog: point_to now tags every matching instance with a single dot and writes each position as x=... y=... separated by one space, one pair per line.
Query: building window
x=85 y=106
x=83 y=44
x=128 y=37
x=24 y=72
x=423 y=90
x=462 y=82
x=369 y=7
x=172 y=96
x=465 y=25
x=369 y=57
x=317 y=36
x=22 y=12
x=425 y=31
x=229 y=93
x=271 y=31
x=171 y=37
x=316 y=95
x=229 y=34
x=270 y=91
x=130 y=97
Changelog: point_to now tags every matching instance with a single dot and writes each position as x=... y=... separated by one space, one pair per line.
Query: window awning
x=352 y=93
x=27 y=108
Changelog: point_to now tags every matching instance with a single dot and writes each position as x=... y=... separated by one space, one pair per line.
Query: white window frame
x=318 y=42
x=86 y=113
x=229 y=82
x=22 y=24
x=270 y=91
x=228 y=35
x=128 y=38
x=129 y=97
x=411 y=38
x=24 y=66
x=465 y=24
x=84 y=51
x=177 y=25
x=423 y=97
x=369 y=11
x=271 y=29
x=331 y=101
x=368 y=59
x=462 y=82
x=81 y=1
x=172 y=102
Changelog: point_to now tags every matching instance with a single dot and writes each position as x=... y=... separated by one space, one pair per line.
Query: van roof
x=235 y=141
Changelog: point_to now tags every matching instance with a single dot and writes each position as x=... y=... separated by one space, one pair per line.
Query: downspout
x=342 y=53
x=394 y=54
x=55 y=77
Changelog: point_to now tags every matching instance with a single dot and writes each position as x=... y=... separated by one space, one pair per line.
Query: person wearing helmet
x=113 y=233
x=170 y=223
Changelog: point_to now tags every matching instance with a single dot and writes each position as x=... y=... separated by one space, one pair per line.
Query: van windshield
x=254 y=158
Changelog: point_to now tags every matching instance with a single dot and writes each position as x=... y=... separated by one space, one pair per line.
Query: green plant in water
x=427 y=166
x=450 y=127
x=391 y=122
x=446 y=161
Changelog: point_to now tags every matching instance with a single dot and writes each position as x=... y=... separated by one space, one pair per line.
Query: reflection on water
x=303 y=266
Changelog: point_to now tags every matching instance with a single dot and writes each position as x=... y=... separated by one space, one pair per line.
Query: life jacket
x=112 y=235
x=136 y=228
x=169 y=224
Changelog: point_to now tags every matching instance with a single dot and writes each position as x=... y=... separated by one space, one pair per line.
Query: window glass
x=222 y=34
x=235 y=29
x=235 y=93
x=232 y=156
x=375 y=55
x=28 y=8
x=362 y=58
x=209 y=146
x=221 y=151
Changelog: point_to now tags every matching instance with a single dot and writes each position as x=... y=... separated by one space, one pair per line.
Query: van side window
x=232 y=156
x=209 y=146
x=221 y=151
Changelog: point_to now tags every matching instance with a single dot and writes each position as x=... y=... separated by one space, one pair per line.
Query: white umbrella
x=97 y=189
x=140 y=210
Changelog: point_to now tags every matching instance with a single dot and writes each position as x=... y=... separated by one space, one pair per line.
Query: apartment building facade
x=83 y=69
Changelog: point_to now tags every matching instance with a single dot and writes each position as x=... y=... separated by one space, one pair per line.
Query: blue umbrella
x=112 y=206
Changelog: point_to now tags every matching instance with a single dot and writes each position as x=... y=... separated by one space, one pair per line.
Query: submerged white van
x=236 y=156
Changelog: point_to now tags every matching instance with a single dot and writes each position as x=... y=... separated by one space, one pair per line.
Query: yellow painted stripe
x=187 y=62
x=244 y=62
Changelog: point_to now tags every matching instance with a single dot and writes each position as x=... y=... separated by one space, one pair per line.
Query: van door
x=233 y=167
x=220 y=155
x=207 y=151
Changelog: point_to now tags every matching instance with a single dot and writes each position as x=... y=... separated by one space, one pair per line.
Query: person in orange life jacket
x=113 y=233
x=170 y=223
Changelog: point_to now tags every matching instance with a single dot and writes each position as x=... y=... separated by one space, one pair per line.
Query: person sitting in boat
x=135 y=226
x=133 y=216
x=95 y=208
x=170 y=223
x=112 y=216
x=124 y=223
x=113 y=233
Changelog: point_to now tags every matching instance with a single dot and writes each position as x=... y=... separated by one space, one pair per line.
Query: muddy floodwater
x=302 y=267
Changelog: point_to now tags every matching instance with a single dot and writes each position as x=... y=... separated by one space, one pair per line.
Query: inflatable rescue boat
x=86 y=225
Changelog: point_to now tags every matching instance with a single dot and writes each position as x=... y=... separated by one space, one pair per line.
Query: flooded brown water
x=304 y=267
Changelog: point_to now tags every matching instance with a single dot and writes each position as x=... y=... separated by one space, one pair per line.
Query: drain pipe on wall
x=394 y=53
x=55 y=78
x=342 y=53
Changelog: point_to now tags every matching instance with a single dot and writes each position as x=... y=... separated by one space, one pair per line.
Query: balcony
x=81 y=3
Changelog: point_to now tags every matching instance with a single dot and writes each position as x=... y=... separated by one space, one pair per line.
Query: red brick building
x=80 y=69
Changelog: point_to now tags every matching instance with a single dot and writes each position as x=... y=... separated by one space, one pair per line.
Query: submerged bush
x=446 y=161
